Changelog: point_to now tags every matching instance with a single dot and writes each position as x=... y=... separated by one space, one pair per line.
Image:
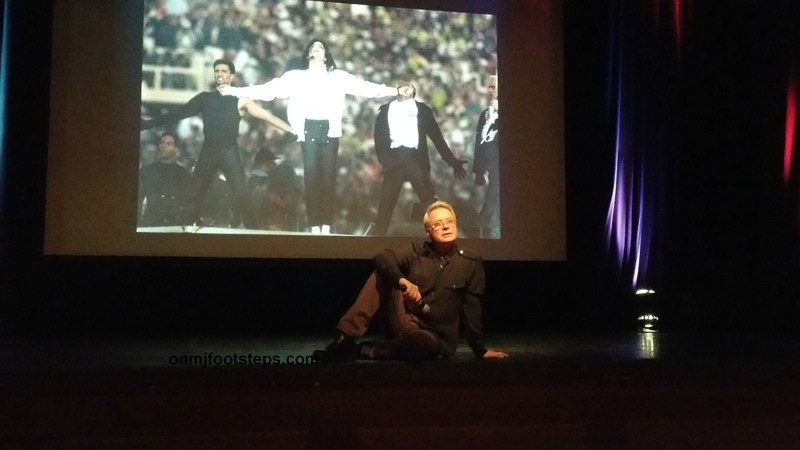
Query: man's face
x=441 y=226
x=491 y=89
x=166 y=148
x=317 y=51
x=405 y=90
x=222 y=74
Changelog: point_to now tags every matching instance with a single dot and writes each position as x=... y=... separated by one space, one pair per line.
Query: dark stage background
x=727 y=251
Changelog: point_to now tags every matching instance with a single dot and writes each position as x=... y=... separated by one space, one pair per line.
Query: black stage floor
x=627 y=391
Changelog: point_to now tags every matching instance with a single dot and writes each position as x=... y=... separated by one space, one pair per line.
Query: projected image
x=306 y=117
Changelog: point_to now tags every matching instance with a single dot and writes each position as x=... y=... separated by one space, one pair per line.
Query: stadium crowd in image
x=447 y=56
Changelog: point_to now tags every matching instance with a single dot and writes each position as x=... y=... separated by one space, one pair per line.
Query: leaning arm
x=471 y=311
x=472 y=316
x=473 y=327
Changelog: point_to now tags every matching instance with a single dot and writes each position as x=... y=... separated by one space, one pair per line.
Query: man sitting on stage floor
x=424 y=292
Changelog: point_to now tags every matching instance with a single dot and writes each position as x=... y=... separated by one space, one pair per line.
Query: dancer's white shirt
x=313 y=94
x=403 y=124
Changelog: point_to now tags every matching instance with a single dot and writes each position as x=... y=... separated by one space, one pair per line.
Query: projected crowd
x=447 y=57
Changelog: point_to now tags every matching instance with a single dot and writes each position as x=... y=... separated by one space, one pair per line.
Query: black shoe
x=341 y=342
x=342 y=348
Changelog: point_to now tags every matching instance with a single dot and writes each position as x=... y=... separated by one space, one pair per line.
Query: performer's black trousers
x=319 y=179
x=407 y=169
x=229 y=162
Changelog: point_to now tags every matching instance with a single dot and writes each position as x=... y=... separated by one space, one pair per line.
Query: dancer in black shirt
x=221 y=115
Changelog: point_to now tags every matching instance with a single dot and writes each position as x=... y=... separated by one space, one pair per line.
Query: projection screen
x=137 y=165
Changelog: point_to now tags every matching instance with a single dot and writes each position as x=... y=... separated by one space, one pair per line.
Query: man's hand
x=221 y=88
x=491 y=354
x=480 y=179
x=458 y=170
x=410 y=291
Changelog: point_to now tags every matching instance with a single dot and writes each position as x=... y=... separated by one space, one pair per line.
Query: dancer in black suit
x=163 y=186
x=487 y=161
x=402 y=129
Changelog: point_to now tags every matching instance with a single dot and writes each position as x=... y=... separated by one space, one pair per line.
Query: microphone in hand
x=423 y=307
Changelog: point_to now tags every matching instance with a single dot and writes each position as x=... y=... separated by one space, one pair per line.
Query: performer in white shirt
x=316 y=96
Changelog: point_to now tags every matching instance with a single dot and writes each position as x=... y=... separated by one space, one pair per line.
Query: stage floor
x=658 y=356
x=627 y=391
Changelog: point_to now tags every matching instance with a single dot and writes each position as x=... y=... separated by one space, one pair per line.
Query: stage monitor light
x=646 y=304
x=648 y=323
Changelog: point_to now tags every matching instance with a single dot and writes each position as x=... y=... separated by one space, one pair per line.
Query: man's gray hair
x=437 y=205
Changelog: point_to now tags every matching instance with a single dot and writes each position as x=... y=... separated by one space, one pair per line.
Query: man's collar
x=430 y=249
